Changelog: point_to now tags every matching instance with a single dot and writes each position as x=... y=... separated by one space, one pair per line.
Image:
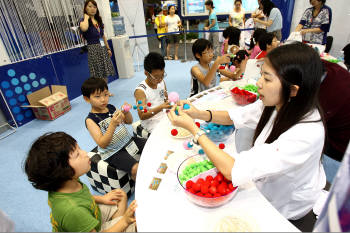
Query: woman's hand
x=165 y=105
x=113 y=197
x=86 y=17
x=206 y=28
x=109 y=52
x=129 y=216
x=192 y=111
x=182 y=120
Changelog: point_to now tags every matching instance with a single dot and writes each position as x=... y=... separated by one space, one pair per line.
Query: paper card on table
x=155 y=183
x=168 y=153
x=162 y=168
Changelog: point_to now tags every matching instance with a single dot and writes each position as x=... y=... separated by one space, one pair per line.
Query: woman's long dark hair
x=97 y=15
x=267 y=6
x=233 y=35
x=295 y=64
x=256 y=36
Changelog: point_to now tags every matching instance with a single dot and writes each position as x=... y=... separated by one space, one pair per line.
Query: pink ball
x=126 y=108
x=173 y=97
x=233 y=68
x=185 y=144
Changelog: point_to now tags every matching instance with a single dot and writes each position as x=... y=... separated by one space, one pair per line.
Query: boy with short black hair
x=153 y=91
x=54 y=164
x=203 y=74
x=105 y=124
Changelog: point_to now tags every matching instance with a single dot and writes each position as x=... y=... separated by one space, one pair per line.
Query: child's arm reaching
x=140 y=96
x=103 y=140
x=206 y=80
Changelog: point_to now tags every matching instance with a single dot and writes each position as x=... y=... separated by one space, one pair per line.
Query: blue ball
x=201 y=151
x=139 y=102
x=134 y=107
x=141 y=108
x=186 y=106
x=189 y=144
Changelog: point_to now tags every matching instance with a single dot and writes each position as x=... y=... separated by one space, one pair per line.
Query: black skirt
x=100 y=64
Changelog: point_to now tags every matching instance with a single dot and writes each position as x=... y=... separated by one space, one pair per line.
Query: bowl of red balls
x=203 y=184
x=243 y=97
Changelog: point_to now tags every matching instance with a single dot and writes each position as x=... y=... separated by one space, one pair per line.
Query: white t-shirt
x=260 y=25
x=237 y=18
x=172 y=22
x=156 y=98
x=288 y=171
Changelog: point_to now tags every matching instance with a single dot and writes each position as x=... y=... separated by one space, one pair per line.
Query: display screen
x=222 y=7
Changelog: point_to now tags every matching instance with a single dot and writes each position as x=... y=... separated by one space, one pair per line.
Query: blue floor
x=26 y=206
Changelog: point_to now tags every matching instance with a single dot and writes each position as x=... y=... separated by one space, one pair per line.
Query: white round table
x=168 y=209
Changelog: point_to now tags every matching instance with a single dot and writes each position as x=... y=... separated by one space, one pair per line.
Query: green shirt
x=74 y=212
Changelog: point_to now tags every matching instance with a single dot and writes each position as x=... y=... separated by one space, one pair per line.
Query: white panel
x=340 y=27
x=134 y=19
x=105 y=13
x=4 y=58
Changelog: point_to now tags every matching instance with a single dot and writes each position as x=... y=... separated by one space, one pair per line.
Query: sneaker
x=160 y=45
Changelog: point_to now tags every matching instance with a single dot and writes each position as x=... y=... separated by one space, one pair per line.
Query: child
x=152 y=90
x=267 y=42
x=285 y=160
x=203 y=74
x=233 y=43
x=235 y=70
x=254 y=42
x=54 y=164
x=225 y=42
x=106 y=126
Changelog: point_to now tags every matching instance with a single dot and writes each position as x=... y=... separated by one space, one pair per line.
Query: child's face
x=99 y=99
x=273 y=45
x=79 y=161
x=269 y=86
x=156 y=76
x=207 y=55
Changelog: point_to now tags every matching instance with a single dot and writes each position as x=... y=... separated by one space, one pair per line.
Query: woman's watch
x=198 y=134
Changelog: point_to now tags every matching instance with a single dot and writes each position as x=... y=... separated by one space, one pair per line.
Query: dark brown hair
x=97 y=15
x=295 y=64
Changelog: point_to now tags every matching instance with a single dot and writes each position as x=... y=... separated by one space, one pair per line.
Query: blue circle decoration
x=11 y=73
x=29 y=92
x=5 y=84
x=19 y=117
x=35 y=83
x=21 y=98
x=18 y=90
x=9 y=93
x=16 y=110
x=13 y=102
x=43 y=81
x=32 y=75
x=24 y=78
x=14 y=81
x=28 y=113
x=27 y=87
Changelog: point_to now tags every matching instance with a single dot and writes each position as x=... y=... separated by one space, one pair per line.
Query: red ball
x=205 y=188
x=200 y=181
x=198 y=124
x=230 y=186
x=221 y=190
x=189 y=184
x=174 y=132
x=196 y=187
x=208 y=195
x=214 y=183
x=145 y=110
x=209 y=178
x=219 y=177
x=149 y=104
x=212 y=190
x=222 y=146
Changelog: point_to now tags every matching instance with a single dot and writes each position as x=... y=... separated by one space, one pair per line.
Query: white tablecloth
x=168 y=209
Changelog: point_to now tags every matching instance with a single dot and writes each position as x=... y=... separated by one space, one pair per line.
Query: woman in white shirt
x=236 y=17
x=173 y=23
x=285 y=160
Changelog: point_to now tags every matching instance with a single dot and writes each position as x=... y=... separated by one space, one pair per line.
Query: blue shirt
x=276 y=17
x=323 y=21
x=212 y=17
x=92 y=36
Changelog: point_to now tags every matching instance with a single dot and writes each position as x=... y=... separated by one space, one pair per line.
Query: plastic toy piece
x=201 y=152
x=141 y=108
x=186 y=106
x=198 y=124
x=222 y=146
x=134 y=107
x=149 y=104
x=174 y=132
x=189 y=144
x=126 y=108
x=185 y=144
x=145 y=110
x=177 y=110
x=173 y=97
x=139 y=102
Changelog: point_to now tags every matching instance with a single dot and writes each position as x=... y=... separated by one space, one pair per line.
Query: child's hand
x=165 y=105
x=129 y=216
x=113 y=196
x=223 y=59
x=117 y=118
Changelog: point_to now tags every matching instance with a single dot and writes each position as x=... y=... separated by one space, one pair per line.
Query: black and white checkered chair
x=104 y=178
x=139 y=131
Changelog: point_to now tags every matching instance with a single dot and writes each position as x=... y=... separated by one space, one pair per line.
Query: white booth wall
x=340 y=27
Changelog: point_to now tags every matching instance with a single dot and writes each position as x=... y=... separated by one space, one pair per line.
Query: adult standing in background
x=259 y=14
x=173 y=23
x=162 y=28
x=213 y=25
x=99 y=52
x=274 y=21
x=315 y=22
x=236 y=18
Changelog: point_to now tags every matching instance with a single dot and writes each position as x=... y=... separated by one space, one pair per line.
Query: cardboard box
x=47 y=104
